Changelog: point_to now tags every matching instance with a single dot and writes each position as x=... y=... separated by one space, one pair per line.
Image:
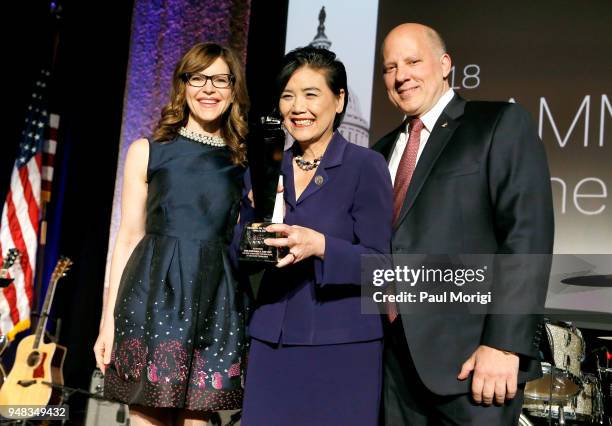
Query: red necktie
x=400 y=187
x=406 y=166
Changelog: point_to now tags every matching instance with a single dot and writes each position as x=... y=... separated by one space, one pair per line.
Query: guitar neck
x=63 y=264
x=4 y=269
x=8 y=261
x=44 y=314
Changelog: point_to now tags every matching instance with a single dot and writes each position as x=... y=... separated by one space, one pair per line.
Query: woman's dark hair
x=318 y=59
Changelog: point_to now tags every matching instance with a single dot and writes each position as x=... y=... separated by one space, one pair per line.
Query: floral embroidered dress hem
x=180 y=317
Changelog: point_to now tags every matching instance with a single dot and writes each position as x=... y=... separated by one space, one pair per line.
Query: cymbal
x=590 y=280
x=605 y=337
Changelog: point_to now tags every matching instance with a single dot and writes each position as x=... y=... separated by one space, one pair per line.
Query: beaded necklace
x=199 y=137
x=305 y=164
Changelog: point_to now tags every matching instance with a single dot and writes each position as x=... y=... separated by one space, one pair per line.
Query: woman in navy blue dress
x=315 y=359
x=172 y=342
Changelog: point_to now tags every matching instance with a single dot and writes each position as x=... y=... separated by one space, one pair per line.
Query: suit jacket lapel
x=439 y=137
x=386 y=144
x=332 y=158
x=317 y=182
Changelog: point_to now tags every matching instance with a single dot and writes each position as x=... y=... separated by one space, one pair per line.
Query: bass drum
x=562 y=355
x=584 y=408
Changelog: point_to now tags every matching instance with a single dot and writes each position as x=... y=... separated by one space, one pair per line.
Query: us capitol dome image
x=354 y=127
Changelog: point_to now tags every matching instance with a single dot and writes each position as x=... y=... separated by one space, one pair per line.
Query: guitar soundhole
x=33 y=359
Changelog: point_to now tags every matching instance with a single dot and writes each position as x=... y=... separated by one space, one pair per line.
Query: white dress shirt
x=429 y=120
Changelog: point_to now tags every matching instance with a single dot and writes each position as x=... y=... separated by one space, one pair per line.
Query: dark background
x=87 y=92
x=552 y=50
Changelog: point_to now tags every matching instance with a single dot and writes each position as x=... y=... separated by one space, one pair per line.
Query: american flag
x=30 y=187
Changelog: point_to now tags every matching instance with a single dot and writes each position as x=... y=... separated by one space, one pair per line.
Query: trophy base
x=252 y=247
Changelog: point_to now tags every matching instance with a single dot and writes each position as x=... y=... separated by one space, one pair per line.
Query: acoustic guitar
x=38 y=365
x=4 y=343
x=11 y=257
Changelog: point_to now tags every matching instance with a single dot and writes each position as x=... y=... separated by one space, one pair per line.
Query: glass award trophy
x=265 y=144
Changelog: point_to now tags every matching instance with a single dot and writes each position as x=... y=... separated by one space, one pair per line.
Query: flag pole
x=55 y=10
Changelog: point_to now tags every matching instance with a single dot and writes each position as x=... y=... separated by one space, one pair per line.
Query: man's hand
x=494 y=374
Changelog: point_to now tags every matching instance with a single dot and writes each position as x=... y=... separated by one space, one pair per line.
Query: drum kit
x=566 y=394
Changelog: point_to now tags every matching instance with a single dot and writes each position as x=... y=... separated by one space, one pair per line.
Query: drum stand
x=561 y=416
x=600 y=396
x=561 y=413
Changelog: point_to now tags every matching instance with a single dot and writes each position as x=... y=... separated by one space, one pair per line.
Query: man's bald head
x=436 y=42
x=416 y=68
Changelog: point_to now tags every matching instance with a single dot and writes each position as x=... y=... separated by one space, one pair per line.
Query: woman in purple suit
x=315 y=359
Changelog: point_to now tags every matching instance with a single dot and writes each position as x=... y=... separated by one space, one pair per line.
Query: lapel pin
x=319 y=180
x=445 y=124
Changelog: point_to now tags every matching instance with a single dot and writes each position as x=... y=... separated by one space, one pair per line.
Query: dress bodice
x=190 y=184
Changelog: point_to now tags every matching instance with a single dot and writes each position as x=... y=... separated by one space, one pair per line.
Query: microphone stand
x=67 y=392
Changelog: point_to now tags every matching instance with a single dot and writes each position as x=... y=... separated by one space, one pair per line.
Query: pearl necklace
x=305 y=164
x=199 y=137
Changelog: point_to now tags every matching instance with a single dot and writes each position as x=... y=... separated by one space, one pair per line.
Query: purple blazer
x=317 y=302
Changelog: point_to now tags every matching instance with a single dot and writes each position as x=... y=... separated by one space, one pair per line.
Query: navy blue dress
x=179 y=317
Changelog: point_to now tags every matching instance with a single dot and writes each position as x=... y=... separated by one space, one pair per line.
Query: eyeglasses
x=220 y=81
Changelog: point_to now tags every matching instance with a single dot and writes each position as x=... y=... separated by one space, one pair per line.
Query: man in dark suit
x=469 y=177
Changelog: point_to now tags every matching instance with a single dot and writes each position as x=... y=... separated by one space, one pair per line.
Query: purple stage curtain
x=162 y=31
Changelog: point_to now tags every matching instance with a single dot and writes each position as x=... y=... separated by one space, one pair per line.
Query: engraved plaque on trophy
x=265 y=144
